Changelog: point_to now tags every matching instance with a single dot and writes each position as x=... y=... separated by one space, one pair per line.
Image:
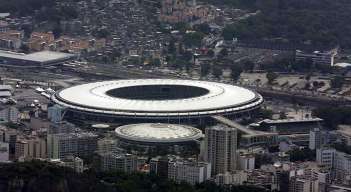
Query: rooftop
x=41 y=57
x=138 y=97
x=158 y=132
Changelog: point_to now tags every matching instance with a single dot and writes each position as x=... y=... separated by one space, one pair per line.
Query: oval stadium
x=155 y=100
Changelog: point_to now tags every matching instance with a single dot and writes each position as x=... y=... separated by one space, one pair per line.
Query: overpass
x=250 y=137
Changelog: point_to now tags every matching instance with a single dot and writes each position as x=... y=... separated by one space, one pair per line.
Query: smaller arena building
x=153 y=135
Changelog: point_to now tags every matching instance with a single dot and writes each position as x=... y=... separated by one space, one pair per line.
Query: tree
x=57 y=31
x=248 y=65
x=282 y=115
x=304 y=154
x=210 y=53
x=155 y=62
x=217 y=71
x=187 y=55
x=27 y=29
x=265 y=113
x=236 y=70
x=205 y=69
x=271 y=77
x=337 y=82
x=262 y=159
x=203 y=28
x=24 y=48
x=116 y=53
x=101 y=33
x=333 y=116
x=181 y=27
x=193 y=39
x=171 y=47
x=223 y=52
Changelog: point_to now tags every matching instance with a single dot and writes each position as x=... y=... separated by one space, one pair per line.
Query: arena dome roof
x=158 y=133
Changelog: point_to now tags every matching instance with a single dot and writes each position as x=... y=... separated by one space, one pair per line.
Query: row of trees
x=334 y=116
x=41 y=176
x=304 y=154
x=235 y=69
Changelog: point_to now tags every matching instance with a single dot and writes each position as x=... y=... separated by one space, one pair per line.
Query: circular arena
x=155 y=100
x=158 y=133
x=158 y=137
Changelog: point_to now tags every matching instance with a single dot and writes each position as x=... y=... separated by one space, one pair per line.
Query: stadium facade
x=155 y=100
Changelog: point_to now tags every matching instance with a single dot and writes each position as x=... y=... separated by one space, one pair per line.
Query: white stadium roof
x=220 y=98
x=158 y=133
x=40 y=57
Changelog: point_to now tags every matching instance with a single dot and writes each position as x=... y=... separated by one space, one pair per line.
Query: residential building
x=75 y=163
x=261 y=178
x=80 y=144
x=9 y=114
x=308 y=180
x=11 y=40
x=235 y=178
x=106 y=145
x=56 y=113
x=4 y=26
x=342 y=168
x=246 y=162
x=159 y=166
x=62 y=127
x=338 y=162
x=190 y=171
x=220 y=148
x=345 y=134
x=120 y=161
x=325 y=157
x=317 y=57
x=40 y=41
x=9 y=136
x=30 y=148
x=4 y=152
x=315 y=139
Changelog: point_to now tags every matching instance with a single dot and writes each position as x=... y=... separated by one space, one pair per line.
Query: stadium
x=155 y=100
x=151 y=134
x=158 y=138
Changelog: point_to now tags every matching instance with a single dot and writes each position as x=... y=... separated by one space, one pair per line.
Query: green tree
x=205 y=69
x=271 y=77
x=262 y=159
x=223 y=52
x=24 y=48
x=304 y=154
x=171 y=47
x=248 y=65
x=193 y=39
x=236 y=70
x=333 y=115
x=57 y=31
x=217 y=71
x=155 y=62
x=210 y=53
x=282 y=115
x=265 y=113
x=337 y=81
x=203 y=28
x=101 y=33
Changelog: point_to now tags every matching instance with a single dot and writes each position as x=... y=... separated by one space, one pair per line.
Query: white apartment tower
x=315 y=141
x=220 y=148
